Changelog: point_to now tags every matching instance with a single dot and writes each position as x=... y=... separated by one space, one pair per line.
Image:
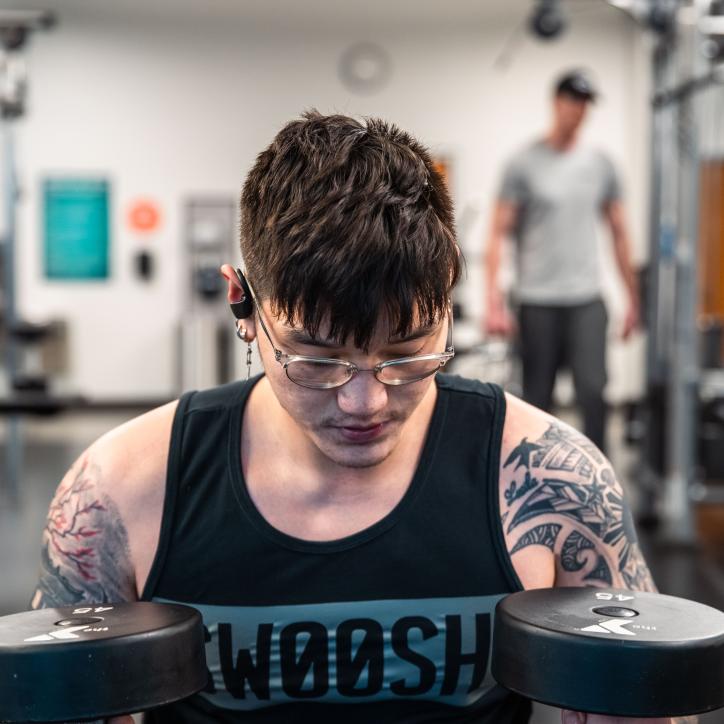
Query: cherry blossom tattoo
x=85 y=555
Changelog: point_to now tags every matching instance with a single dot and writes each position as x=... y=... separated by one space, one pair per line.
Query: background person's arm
x=498 y=319
x=616 y=219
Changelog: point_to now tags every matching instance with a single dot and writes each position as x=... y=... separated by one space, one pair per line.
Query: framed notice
x=76 y=224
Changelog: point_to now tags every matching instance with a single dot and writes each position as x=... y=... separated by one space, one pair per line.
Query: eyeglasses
x=324 y=373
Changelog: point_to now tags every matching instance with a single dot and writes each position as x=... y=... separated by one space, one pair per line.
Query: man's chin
x=356 y=456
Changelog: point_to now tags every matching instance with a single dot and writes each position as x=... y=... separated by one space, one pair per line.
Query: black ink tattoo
x=514 y=492
x=573 y=558
x=542 y=535
x=565 y=477
x=85 y=555
x=521 y=453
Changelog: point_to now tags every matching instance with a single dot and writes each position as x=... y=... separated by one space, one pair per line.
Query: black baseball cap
x=578 y=84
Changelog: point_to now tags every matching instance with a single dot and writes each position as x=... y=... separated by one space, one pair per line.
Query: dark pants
x=574 y=336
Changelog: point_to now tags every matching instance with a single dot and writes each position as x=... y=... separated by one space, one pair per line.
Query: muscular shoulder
x=103 y=522
x=565 y=517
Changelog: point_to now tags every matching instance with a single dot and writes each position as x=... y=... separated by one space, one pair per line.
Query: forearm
x=502 y=222
x=491 y=268
x=622 y=252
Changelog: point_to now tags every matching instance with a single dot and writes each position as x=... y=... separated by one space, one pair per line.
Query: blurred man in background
x=553 y=194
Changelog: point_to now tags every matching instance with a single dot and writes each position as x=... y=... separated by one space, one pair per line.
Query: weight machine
x=16 y=26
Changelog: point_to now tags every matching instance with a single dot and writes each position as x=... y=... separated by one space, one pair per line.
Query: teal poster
x=76 y=228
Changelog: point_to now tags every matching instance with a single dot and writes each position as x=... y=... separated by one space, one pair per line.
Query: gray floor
x=51 y=445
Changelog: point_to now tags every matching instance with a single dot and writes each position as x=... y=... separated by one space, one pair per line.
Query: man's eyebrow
x=300 y=336
x=418 y=333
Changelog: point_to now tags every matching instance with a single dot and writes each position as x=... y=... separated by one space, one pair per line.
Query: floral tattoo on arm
x=85 y=555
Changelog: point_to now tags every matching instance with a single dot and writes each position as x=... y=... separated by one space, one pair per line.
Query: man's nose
x=363 y=396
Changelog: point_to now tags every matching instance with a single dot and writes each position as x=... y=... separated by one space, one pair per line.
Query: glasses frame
x=285 y=359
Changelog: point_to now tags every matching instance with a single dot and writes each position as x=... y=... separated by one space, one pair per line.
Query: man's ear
x=240 y=300
x=238 y=292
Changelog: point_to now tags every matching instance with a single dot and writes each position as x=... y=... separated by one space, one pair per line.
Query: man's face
x=569 y=112
x=359 y=424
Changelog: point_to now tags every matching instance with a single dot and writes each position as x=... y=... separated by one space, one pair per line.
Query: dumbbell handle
x=574 y=717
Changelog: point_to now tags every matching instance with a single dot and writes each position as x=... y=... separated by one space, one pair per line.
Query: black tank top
x=391 y=624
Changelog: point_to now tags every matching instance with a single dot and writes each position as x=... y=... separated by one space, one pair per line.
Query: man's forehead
x=385 y=331
x=323 y=337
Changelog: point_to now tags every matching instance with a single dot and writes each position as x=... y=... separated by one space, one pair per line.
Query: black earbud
x=245 y=306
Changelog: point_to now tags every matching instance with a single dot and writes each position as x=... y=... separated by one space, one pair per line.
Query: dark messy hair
x=349 y=219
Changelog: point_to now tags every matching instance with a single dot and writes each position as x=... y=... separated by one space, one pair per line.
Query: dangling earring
x=241 y=334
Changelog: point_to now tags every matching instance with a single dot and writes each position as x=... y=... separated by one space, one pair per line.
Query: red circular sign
x=144 y=216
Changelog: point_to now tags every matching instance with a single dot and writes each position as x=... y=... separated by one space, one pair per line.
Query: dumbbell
x=93 y=662
x=610 y=651
x=604 y=651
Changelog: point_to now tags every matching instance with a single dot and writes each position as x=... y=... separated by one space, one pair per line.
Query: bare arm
x=616 y=219
x=497 y=318
x=566 y=519
x=565 y=511
x=85 y=554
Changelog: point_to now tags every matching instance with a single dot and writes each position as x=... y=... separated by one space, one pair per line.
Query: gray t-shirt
x=560 y=196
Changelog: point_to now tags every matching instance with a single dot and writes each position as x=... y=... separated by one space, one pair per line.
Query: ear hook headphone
x=245 y=306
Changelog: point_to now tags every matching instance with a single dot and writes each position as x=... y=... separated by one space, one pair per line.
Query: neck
x=317 y=477
x=302 y=493
x=561 y=139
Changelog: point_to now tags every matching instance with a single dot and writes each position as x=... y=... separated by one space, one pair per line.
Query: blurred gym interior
x=127 y=129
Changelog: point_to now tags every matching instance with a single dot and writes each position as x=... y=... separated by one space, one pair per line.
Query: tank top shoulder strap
x=191 y=429
x=477 y=415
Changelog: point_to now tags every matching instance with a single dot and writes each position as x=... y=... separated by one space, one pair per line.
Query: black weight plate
x=668 y=660
x=62 y=664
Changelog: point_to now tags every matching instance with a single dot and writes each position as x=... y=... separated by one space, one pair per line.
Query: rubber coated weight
x=610 y=651
x=90 y=662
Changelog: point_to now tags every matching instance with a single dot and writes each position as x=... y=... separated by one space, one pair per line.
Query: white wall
x=171 y=109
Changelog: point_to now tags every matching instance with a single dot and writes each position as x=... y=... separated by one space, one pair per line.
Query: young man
x=347 y=521
x=554 y=193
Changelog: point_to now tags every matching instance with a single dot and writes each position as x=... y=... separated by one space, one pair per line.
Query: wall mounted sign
x=144 y=216
x=76 y=223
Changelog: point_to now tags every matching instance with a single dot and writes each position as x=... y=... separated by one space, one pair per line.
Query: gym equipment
x=205 y=335
x=90 y=662
x=16 y=27
x=547 y=20
x=610 y=651
x=607 y=651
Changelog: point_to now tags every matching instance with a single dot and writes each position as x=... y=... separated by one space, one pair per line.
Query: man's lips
x=357 y=432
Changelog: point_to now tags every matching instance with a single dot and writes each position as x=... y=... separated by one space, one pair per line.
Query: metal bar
x=10 y=485
x=46 y=406
x=681 y=92
x=654 y=361
x=681 y=433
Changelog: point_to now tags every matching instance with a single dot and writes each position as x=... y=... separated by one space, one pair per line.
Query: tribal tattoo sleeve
x=561 y=493
x=85 y=555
